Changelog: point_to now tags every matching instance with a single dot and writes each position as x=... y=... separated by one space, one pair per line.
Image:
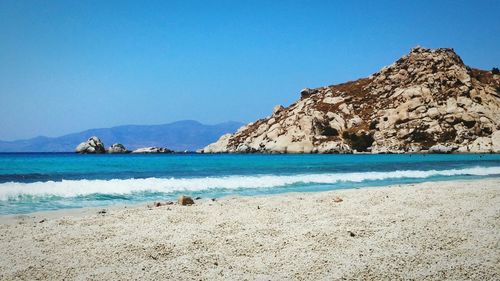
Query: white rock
x=117 y=148
x=439 y=148
x=152 y=149
x=92 y=145
x=218 y=146
x=333 y=100
x=481 y=145
x=495 y=141
x=432 y=112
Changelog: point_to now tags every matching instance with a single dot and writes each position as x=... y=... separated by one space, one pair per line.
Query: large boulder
x=117 y=148
x=152 y=149
x=92 y=145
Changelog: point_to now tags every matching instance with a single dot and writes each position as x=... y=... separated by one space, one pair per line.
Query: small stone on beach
x=337 y=200
x=351 y=233
x=185 y=200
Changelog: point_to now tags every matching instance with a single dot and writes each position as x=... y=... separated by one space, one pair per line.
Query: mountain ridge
x=179 y=135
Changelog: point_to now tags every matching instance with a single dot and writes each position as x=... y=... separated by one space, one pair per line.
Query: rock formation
x=92 y=145
x=427 y=101
x=152 y=149
x=117 y=148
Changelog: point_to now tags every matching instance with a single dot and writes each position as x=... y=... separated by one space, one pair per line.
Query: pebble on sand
x=185 y=200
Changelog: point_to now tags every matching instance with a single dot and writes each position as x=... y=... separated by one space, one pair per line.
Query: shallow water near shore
x=40 y=181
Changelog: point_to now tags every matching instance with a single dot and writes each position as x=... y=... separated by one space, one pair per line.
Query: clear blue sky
x=66 y=66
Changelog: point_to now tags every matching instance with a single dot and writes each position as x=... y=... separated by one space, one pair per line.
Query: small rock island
x=94 y=145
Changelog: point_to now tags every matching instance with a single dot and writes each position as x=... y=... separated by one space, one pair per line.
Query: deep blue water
x=34 y=182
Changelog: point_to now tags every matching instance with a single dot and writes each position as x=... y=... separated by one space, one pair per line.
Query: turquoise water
x=35 y=182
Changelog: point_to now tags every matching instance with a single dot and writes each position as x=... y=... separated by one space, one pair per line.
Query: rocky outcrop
x=152 y=149
x=95 y=145
x=117 y=148
x=427 y=101
x=219 y=146
x=92 y=145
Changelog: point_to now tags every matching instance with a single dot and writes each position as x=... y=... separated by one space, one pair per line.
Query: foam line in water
x=72 y=188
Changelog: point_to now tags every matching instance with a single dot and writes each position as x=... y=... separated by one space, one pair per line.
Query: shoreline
x=83 y=211
x=431 y=230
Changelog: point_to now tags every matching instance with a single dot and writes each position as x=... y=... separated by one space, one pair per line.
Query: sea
x=31 y=182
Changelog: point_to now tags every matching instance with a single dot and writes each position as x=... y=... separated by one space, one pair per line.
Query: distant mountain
x=179 y=136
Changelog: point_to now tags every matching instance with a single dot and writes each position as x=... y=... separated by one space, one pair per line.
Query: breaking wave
x=73 y=188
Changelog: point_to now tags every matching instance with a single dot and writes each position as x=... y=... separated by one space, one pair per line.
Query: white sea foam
x=72 y=188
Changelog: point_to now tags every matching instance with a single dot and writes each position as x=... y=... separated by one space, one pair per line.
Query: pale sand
x=444 y=230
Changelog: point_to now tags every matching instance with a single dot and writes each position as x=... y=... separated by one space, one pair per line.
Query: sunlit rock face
x=427 y=101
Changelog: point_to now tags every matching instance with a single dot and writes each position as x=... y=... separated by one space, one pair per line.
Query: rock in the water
x=117 y=148
x=427 y=101
x=153 y=149
x=92 y=145
x=185 y=200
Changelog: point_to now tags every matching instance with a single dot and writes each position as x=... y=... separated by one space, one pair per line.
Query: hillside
x=179 y=136
x=427 y=101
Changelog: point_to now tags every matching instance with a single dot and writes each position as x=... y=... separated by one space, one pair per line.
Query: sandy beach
x=428 y=231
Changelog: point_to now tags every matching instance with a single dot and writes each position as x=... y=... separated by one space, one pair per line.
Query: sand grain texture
x=429 y=231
